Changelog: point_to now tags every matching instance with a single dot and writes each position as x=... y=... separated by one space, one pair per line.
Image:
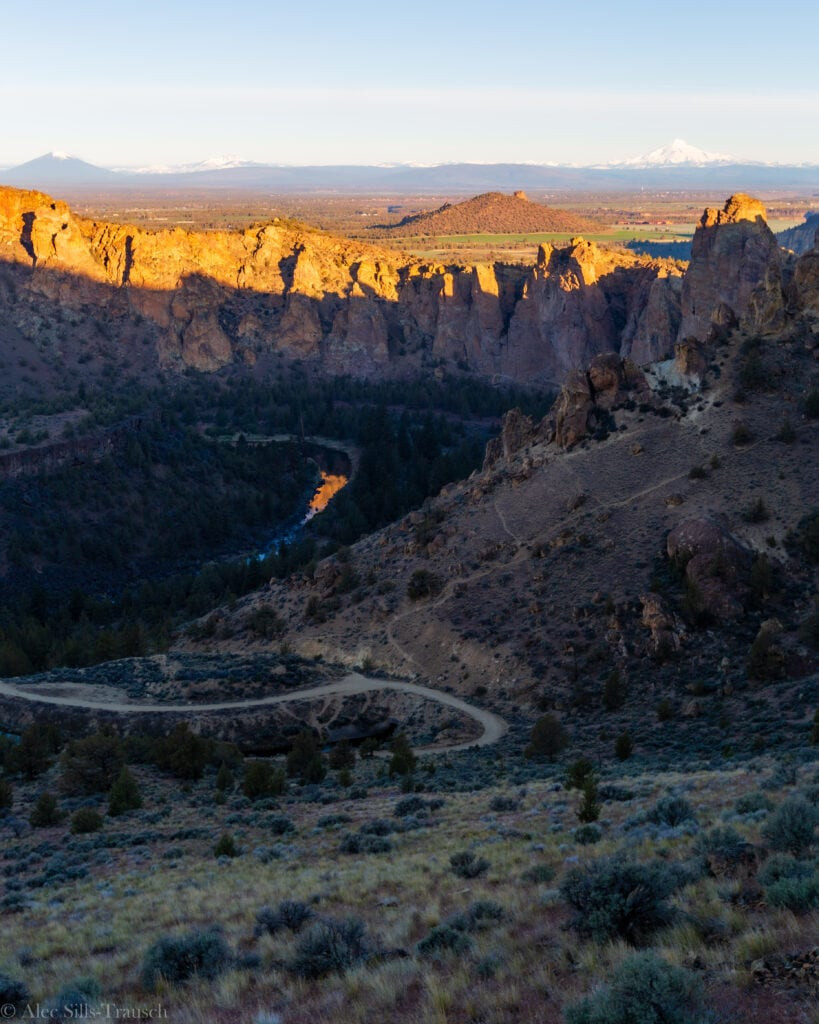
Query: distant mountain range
x=676 y=154
x=676 y=166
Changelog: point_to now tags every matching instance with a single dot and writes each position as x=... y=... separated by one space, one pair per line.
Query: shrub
x=481 y=914
x=182 y=753
x=672 y=811
x=792 y=827
x=799 y=895
x=281 y=825
x=501 y=803
x=587 y=835
x=226 y=847
x=422 y=583
x=355 y=842
x=329 y=946
x=741 y=434
x=614 y=691
x=577 y=773
x=264 y=622
x=787 y=435
x=615 y=898
x=589 y=809
x=751 y=803
x=539 y=874
x=33 y=754
x=13 y=992
x=623 y=747
x=410 y=805
x=548 y=738
x=91 y=764
x=725 y=849
x=697 y=473
x=444 y=938
x=290 y=914
x=305 y=760
x=175 y=958
x=377 y=827
x=665 y=710
x=72 y=1001
x=6 y=795
x=756 y=512
x=261 y=780
x=782 y=866
x=45 y=812
x=125 y=795
x=466 y=865
x=643 y=990
x=224 y=778
x=403 y=760
x=342 y=756
x=812 y=404
x=85 y=820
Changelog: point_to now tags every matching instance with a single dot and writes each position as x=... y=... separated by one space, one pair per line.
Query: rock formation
x=802 y=238
x=716 y=566
x=588 y=398
x=207 y=299
x=735 y=273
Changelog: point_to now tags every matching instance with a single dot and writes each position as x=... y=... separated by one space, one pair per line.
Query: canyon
x=73 y=290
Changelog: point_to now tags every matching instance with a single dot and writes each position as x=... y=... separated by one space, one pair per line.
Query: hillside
x=496 y=214
x=553 y=565
x=542 y=749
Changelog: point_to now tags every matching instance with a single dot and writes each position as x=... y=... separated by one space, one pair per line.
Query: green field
x=684 y=232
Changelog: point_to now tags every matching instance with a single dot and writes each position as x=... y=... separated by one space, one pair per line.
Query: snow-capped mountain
x=54 y=170
x=214 y=163
x=677 y=154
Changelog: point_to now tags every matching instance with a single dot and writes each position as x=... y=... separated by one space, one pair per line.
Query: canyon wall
x=207 y=299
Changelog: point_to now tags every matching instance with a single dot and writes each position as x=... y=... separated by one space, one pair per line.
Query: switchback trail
x=494 y=727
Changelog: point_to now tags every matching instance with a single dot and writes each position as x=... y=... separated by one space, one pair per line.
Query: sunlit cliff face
x=330 y=486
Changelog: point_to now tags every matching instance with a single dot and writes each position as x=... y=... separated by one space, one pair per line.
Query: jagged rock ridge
x=211 y=298
x=208 y=299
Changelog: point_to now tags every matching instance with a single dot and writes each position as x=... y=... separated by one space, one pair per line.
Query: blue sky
x=319 y=82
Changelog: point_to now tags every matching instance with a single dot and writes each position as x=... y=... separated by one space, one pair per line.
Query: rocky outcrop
x=803 y=237
x=517 y=432
x=735 y=273
x=664 y=626
x=658 y=322
x=690 y=359
x=49 y=457
x=716 y=566
x=804 y=291
x=587 y=398
x=580 y=302
x=208 y=299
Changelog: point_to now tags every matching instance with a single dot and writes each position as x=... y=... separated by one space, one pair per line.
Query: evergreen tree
x=45 y=812
x=589 y=809
x=125 y=794
x=402 y=761
x=548 y=738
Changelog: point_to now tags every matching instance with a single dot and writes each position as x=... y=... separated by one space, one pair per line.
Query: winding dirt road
x=494 y=727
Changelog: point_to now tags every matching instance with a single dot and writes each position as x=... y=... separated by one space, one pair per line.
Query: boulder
x=586 y=398
x=716 y=564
